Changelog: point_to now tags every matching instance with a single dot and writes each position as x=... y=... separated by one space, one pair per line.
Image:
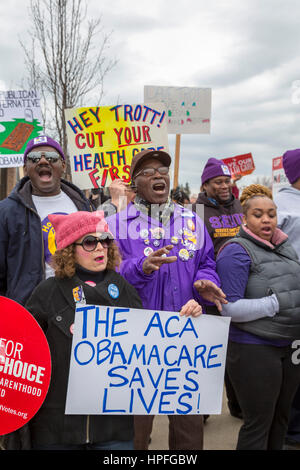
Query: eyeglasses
x=90 y=242
x=162 y=170
x=51 y=157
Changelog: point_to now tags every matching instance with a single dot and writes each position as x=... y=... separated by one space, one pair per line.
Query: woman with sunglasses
x=85 y=262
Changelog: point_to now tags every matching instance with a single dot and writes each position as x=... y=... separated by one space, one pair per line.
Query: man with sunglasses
x=168 y=257
x=27 y=238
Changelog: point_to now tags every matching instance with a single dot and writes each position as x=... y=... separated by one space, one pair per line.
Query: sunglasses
x=162 y=170
x=51 y=157
x=90 y=242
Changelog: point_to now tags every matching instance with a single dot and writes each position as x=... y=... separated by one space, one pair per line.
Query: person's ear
x=25 y=170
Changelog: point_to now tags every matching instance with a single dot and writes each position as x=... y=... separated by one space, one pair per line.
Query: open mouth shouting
x=266 y=231
x=45 y=177
x=159 y=187
x=45 y=174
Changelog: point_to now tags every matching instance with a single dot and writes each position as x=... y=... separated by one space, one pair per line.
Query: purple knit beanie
x=43 y=140
x=291 y=165
x=214 y=168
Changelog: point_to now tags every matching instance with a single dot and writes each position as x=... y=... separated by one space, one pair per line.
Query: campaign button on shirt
x=113 y=291
x=184 y=255
x=158 y=233
x=148 y=251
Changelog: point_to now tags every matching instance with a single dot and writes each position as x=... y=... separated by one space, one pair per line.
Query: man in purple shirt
x=168 y=257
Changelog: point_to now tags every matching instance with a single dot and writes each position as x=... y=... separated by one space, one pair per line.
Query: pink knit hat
x=69 y=228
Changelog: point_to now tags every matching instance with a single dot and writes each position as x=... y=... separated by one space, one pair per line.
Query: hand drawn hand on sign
x=209 y=291
x=157 y=258
x=191 y=308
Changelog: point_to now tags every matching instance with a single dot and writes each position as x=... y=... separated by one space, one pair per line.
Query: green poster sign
x=20 y=121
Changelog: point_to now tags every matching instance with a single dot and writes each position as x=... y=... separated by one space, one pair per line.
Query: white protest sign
x=279 y=179
x=20 y=121
x=131 y=361
x=188 y=108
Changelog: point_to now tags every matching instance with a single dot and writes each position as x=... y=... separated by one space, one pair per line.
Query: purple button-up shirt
x=170 y=287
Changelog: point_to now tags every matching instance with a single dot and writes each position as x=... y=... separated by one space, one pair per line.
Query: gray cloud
x=247 y=52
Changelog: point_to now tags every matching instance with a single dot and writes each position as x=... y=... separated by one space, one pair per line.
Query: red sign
x=277 y=163
x=240 y=165
x=25 y=366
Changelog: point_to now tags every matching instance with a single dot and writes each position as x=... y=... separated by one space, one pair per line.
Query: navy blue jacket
x=21 y=242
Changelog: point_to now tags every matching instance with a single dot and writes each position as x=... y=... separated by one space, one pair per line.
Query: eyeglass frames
x=162 y=170
x=90 y=242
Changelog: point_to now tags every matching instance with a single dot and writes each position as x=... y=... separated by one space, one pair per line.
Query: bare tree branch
x=61 y=61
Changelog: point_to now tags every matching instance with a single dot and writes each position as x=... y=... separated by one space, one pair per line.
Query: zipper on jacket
x=43 y=248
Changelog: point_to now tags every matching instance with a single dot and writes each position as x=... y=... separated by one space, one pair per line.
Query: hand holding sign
x=120 y=193
x=209 y=291
x=191 y=308
x=155 y=260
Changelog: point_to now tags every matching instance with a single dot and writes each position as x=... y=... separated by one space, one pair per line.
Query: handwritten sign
x=188 y=109
x=131 y=361
x=103 y=140
x=20 y=121
x=25 y=366
x=240 y=165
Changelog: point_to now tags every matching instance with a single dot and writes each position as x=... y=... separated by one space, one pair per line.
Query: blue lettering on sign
x=176 y=371
x=160 y=398
x=106 y=322
x=166 y=330
x=108 y=350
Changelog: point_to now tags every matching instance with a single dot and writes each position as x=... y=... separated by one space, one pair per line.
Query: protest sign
x=103 y=140
x=132 y=361
x=279 y=179
x=25 y=366
x=240 y=164
x=188 y=109
x=20 y=121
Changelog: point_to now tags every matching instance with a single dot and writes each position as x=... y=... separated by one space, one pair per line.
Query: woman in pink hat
x=84 y=263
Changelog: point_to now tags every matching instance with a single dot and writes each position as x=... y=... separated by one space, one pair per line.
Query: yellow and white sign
x=103 y=140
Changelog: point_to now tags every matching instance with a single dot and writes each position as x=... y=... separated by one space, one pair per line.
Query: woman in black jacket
x=84 y=264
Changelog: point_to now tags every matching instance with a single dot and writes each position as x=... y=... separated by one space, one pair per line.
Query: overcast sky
x=246 y=51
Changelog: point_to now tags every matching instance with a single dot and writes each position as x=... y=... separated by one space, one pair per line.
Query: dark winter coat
x=221 y=220
x=53 y=305
x=21 y=242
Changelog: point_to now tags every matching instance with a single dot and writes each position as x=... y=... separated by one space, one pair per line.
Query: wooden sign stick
x=176 y=163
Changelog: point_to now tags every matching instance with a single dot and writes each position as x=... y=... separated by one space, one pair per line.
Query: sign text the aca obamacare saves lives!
x=131 y=361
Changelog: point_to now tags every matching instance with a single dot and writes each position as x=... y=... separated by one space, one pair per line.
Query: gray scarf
x=160 y=212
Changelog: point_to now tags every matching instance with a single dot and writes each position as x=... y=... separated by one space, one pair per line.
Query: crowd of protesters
x=221 y=253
